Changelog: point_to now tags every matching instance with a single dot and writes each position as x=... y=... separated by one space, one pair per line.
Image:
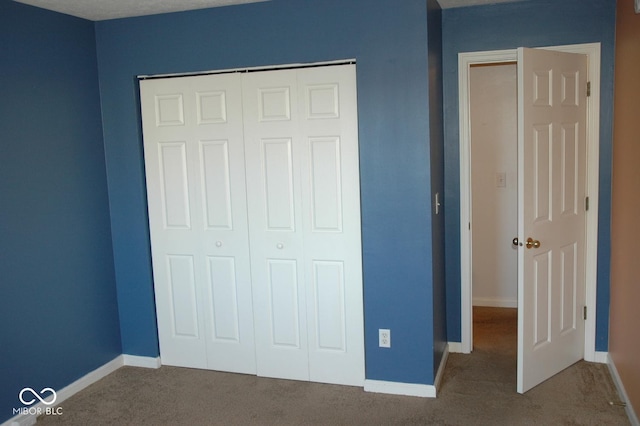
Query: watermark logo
x=29 y=397
x=37 y=395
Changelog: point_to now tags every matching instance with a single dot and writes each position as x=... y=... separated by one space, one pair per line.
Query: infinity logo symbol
x=34 y=393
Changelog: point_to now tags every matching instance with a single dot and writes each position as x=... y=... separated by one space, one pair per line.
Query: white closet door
x=275 y=220
x=194 y=156
x=304 y=214
x=330 y=182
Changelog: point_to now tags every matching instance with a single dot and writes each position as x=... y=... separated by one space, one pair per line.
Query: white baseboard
x=29 y=419
x=441 y=367
x=410 y=389
x=397 y=388
x=600 y=357
x=633 y=418
x=456 y=348
x=141 y=361
x=495 y=302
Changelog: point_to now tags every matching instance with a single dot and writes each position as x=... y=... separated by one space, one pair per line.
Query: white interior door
x=304 y=214
x=551 y=212
x=194 y=158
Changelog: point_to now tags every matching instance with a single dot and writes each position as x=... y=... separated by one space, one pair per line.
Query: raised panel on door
x=224 y=299
x=569 y=288
x=174 y=185
x=542 y=281
x=329 y=308
x=543 y=161
x=325 y=187
x=182 y=286
x=277 y=166
x=194 y=157
x=216 y=184
x=330 y=182
x=272 y=145
x=182 y=320
x=284 y=312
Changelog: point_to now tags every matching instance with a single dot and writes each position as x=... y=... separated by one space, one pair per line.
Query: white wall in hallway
x=493 y=100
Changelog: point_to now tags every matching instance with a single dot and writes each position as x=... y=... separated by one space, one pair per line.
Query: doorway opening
x=493 y=136
x=494 y=158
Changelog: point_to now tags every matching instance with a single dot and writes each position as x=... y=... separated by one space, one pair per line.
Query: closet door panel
x=194 y=156
x=275 y=216
x=173 y=214
x=330 y=191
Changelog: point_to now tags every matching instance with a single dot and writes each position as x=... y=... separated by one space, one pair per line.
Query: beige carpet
x=477 y=389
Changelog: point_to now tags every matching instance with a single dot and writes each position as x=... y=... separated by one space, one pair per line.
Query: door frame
x=465 y=60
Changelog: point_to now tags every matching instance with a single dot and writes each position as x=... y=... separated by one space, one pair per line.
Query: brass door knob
x=532 y=243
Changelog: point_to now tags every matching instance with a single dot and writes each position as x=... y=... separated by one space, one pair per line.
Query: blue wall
x=436 y=131
x=57 y=282
x=388 y=39
x=529 y=24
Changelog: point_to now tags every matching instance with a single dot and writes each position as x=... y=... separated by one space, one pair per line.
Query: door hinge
x=588 y=88
x=584 y=311
x=586 y=204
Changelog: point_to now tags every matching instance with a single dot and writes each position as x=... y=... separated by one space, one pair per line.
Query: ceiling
x=100 y=10
x=448 y=4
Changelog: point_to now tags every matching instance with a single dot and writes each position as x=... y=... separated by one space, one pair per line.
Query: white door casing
x=194 y=158
x=551 y=211
x=278 y=250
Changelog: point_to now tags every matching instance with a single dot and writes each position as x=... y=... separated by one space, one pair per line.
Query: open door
x=552 y=146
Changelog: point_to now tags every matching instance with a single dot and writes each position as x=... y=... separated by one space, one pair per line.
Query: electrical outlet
x=384 y=338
